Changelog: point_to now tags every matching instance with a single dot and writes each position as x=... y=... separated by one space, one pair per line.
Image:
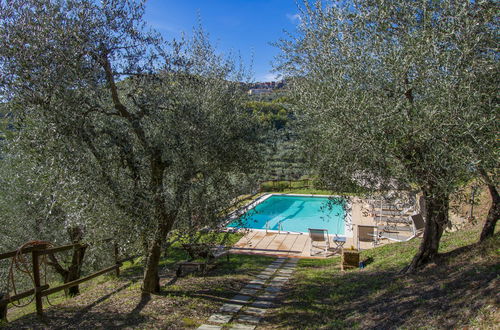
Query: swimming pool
x=294 y=214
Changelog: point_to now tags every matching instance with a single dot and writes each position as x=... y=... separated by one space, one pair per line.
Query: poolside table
x=339 y=242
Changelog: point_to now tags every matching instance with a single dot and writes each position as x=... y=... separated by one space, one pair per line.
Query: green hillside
x=461 y=292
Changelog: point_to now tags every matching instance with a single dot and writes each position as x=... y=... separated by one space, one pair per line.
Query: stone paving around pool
x=246 y=309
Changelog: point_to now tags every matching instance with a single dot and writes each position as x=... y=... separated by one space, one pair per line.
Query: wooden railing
x=40 y=290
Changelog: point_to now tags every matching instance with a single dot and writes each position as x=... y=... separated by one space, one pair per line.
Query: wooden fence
x=39 y=290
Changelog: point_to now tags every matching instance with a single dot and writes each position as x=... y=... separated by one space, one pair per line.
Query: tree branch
x=122 y=109
x=54 y=263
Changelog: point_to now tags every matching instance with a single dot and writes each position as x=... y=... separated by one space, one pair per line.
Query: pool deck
x=298 y=245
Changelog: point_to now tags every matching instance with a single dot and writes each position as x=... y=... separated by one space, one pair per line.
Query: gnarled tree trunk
x=436 y=205
x=494 y=212
x=151 y=279
x=74 y=270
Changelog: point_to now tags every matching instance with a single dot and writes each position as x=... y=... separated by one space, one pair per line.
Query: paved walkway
x=245 y=310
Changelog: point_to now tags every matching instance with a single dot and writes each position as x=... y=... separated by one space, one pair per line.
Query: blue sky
x=247 y=26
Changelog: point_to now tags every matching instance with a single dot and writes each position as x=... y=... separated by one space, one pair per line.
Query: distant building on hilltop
x=259 y=91
x=265 y=87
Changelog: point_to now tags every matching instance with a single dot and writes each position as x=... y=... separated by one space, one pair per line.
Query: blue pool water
x=295 y=213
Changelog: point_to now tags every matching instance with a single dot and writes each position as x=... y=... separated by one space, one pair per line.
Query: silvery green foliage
x=153 y=130
x=41 y=200
x=396 y=94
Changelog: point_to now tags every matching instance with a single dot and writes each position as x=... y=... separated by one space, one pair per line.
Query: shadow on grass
x=213 y=296
x=116 y=309
x=61 y=317
x=221 y=282
x=78 y=315
x=134 y=271
x=444 y=296
x=102 y=320
x=145 y=298
x=240 y=264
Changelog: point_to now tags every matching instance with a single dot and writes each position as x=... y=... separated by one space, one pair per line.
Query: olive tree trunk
x=151 y=279
x=74 y=271
x=493 y=214
x=436 y=213
x=3 y=309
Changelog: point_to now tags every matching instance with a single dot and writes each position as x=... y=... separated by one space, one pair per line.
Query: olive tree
x=39 y=201
x=485 y=152
x=140 y=121
x=389 y=95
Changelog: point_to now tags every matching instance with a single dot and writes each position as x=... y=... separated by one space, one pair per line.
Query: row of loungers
x=320 y=239
x=392 y=232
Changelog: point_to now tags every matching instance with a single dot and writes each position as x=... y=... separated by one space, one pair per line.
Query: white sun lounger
x=418 y=228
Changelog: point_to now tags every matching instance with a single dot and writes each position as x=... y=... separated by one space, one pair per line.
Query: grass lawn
x=108 y=301
x=459 y=293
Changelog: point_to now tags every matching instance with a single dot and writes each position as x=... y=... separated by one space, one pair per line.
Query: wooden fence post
x=36 y=279
x=115 y=246
x=3 y=309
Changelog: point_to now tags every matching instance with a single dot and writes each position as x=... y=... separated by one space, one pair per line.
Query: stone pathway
x=245 y=310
